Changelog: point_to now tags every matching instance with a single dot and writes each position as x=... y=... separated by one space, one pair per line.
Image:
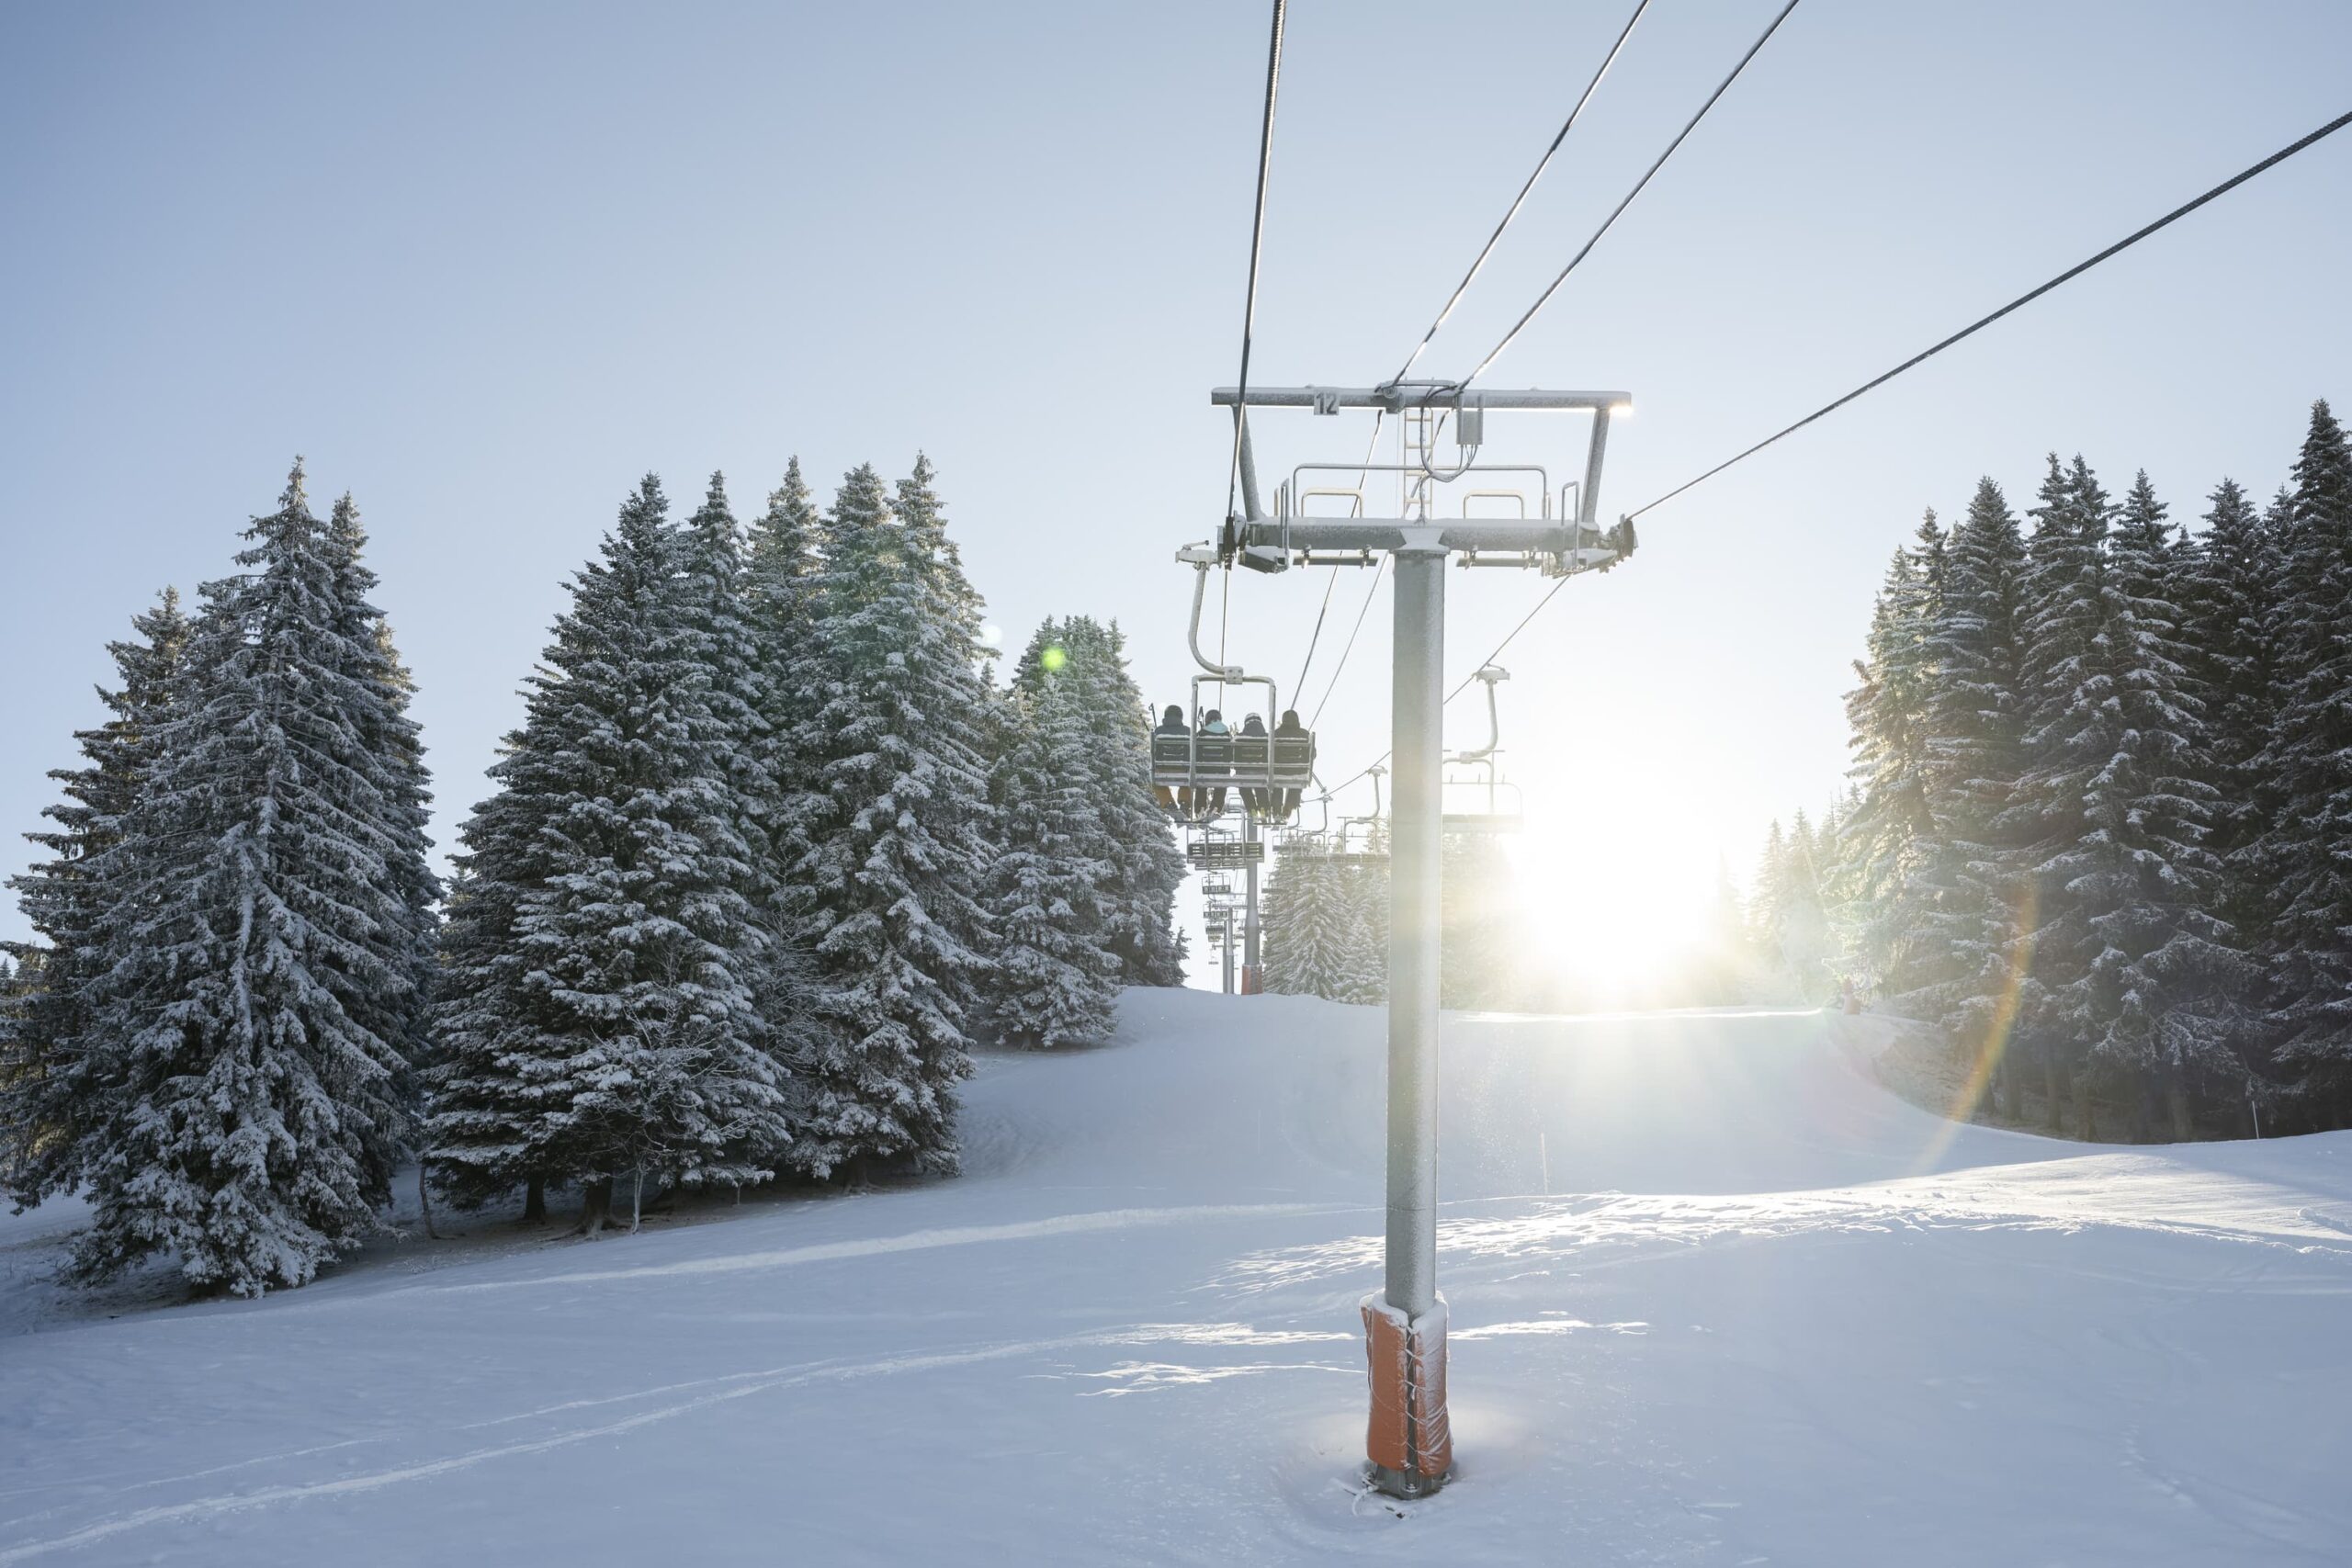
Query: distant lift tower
x=1509 y=514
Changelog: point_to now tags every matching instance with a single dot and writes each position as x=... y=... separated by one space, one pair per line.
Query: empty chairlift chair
x=1478 y=798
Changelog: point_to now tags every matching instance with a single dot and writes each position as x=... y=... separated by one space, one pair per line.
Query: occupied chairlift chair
x=1203 y=775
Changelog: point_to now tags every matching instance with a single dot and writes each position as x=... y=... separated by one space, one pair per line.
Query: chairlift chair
x=1199 y=776
x=1477 y=798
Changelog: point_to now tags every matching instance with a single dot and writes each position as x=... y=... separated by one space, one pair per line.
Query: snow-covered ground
x=1716 y=1297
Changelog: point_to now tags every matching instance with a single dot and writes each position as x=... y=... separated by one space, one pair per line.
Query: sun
x=1595 y=903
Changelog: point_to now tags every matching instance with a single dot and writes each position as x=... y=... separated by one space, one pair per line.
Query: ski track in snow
x=913 y=1241
x=1766 y=1314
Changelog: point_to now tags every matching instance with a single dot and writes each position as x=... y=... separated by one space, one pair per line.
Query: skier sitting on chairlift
x=1212 y=723
x=1172 y=722
x=1288 y=728
x=1254 y=801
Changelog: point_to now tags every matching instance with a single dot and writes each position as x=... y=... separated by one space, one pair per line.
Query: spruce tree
x=725 y=619
x=2231 y=577
x=783 y=605
x=1315 y=940
x=1277 y=912
x=1055 y=981
x=486 y=1131
x=48 y=1074
x=2133 y=973
x=2232 y=573
x=961 y=723
x=1721 y=971
x=1368 y=891
x=1975 y=725
x=1894 y=827
x=2167 y=990
x=602 y=1014
x=1804 y=937
x=2304 y=853
x=247 y=1108
x=391 y=746
x=1768 y=892
x=1479 y=945
x=893 y=808
x=1147 y=866
x=2067 y=685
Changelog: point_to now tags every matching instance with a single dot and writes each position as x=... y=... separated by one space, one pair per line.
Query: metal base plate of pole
x=1410 y=1442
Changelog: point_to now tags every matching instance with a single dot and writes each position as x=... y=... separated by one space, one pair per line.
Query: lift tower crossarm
x=1396 y=398
x=1406 y=395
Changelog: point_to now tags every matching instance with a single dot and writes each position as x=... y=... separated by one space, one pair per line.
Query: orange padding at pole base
x=1410 y=1433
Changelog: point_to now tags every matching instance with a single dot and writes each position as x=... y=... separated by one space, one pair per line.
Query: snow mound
x=1716 y=1298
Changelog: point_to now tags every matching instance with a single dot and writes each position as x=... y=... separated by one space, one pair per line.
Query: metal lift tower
x=1409 y=1442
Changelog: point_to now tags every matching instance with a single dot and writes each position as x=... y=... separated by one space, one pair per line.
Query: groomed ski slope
x=1767 y=1313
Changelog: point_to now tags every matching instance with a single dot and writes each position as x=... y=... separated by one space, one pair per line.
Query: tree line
x=1326 y=921
x=2098 y=827
x=768 y=852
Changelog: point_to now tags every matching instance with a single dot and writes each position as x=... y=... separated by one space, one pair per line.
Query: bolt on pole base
x=1410 y=1442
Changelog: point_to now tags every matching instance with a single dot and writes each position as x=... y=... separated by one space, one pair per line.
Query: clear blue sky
x=485 y=265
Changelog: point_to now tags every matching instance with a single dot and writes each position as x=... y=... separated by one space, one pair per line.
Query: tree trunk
x=535 y=1199
x=595 y=1205
x=637 y=1202
x=2012 y=1084
x=2085 y=1115
x=2053 y=1085
x=425 y=1201
x=2183 y=1123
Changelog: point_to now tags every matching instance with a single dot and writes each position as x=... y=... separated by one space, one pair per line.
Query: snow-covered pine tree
x=1767 y=893
x=1367 y=891
x=959 y=729
x=1316 y=943
x=2169 y=988
x=2131 y=967
x=600 y=1013
x=391 y=745
x=1055 y=981
x=723 y=638
x=47 y=1079
x=893 y=807
x=1788 y=926
x=1841 y=868
x=2065 y=681
x=1277 y=913
x=485 y=1134
x=2234 y=576
x=1803 y=938
x=1148 y=867
x=1360 y=897
x=1893 y=831
x=782 y=605
x=1479 y=967
x=248 y=1116
x=1975 y=724
x=2305 y=852
x=726 y=617
x=1721 y=969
